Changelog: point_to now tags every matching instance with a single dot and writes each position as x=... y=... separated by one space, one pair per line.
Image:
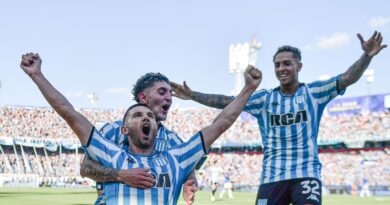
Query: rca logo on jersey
x=288 y=118
x=163 y=180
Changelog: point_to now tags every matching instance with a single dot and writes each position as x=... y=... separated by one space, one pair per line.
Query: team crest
x=300 y=99
x=261 y=202
x=161 y=145
x=160 y=161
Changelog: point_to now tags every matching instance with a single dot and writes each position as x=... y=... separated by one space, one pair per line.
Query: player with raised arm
x=289 y=117
x=169 y=168
x=153 y=90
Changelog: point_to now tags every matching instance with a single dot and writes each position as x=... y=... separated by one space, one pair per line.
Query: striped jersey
x=165 y=138
x=112 y=131
x=289 y=128
x=170 y=169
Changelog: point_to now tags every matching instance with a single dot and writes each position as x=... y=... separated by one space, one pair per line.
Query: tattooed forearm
x=353 y=74
x=98 y=172
x=216 y=101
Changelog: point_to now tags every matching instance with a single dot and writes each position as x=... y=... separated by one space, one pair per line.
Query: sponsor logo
x=289 y=118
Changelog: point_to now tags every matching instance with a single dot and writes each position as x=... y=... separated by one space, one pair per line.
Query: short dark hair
x=147 y=81
x=286 y=48
x=130 y=108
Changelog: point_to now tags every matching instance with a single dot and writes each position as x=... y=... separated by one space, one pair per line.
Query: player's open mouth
x=166 y=107
x=146 y=129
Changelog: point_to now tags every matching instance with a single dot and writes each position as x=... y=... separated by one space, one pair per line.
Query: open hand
x=373 y=45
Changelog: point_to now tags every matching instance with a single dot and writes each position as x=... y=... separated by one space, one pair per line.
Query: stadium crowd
x=62 y=167
x=44 y=122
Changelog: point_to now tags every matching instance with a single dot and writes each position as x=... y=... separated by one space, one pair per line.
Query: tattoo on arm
x=353 y=74
x=98 y=172
x=216 y=101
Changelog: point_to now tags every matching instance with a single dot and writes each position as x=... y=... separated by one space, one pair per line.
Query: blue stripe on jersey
x=174 y=180
x=305 y=146
x=264 y=125
x=294 y=141
x=126 y=192
x=315 y=122
x=283 y=139
x=274 y=139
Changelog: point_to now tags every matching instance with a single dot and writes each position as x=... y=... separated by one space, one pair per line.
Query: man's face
x=286 y=69
x=141 y=127
x=158 y=98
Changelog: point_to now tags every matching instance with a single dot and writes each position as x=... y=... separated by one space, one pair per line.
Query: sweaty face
x=141 y=127
x=286 y=69
x=159 y=99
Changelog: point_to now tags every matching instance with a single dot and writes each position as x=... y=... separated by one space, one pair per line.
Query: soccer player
x=215 y=172
x=227 y=185
x=153 y=90
x=288 y=117
x=169 y=168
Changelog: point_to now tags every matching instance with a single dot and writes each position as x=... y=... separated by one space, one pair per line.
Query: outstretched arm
x=230 y=113
x=371 y=47
x=31 y=64
x=135 y=177
x=212 y=100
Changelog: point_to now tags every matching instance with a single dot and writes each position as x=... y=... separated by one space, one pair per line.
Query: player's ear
x=124 y=130
x=299 y=67
x=142 y=98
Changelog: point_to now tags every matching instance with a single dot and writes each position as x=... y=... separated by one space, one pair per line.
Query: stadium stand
x=38 y=149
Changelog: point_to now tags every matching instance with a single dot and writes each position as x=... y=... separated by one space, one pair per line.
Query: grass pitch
x=39 y=196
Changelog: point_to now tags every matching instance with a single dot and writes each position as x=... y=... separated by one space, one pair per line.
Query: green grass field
x=19 y=196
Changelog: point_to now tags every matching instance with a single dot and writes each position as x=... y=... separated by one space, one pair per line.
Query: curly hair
x=295 y=51
x=146 y=81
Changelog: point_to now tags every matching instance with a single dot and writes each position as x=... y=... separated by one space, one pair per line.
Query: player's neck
x=289 y=89
x=141 y=151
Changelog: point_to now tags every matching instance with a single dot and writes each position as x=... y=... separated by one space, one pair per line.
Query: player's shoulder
x=168 y=134
x=111 y=125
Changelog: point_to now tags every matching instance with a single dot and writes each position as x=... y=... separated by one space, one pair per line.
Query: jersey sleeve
x=101 y=149
x=112 y=131
x=325 y=91
x=256 y=103
x=189 y=153
x=173 y=139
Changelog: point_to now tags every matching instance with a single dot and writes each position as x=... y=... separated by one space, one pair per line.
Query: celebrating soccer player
x=169 y=168
x=289 y=117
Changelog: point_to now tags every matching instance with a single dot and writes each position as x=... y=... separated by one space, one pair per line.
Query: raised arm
x=31 y=64
x=230 y=113
x=371 y=47
x=212 y=100
x=135 y=177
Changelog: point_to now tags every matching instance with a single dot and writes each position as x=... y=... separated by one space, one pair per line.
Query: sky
x=103 y=47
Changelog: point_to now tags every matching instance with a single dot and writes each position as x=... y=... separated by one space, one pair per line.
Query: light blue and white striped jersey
x=289 y=128
x=165 y=138
x=170 y=168
x=112 y=131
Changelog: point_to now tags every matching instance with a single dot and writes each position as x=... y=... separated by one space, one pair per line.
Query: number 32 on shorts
x=310 y=186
